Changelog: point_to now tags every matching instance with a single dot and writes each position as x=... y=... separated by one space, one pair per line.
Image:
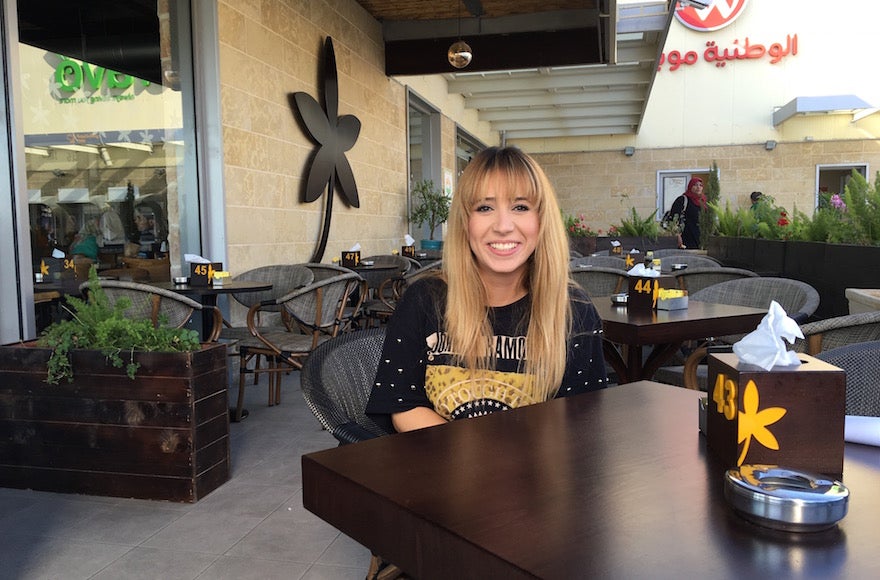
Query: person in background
x=688 y=207
x=755 y=196
x=89 y=239
x=500 y=326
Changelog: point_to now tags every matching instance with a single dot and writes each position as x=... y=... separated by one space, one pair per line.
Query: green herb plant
x=636 y=225
x=97 y=324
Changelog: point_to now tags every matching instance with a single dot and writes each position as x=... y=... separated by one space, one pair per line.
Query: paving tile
x=152 y=564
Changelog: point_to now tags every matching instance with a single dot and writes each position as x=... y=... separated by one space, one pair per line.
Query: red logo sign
x=719 y=15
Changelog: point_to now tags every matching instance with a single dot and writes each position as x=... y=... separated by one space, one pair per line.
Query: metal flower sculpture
x=334 y=135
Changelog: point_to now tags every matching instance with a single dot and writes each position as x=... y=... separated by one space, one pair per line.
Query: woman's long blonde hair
x=467 y=321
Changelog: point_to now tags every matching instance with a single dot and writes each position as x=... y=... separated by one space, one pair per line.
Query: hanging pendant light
x=459 y=53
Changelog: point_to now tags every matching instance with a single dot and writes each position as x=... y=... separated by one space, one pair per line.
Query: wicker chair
x=691 y=261
x=382 y=307
x=158 y=305
x=336 y=380
x=598 y=281
x=375 y=277
x=603 y=261
x=317 y=311
x=354 y=308
x=798 y=299
x=839 y=331
x=285 y=278
x=861 y=361
x=695 y=279
x=668 y=252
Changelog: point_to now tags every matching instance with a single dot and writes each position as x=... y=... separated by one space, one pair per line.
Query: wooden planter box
x=163 y=435
x=643 y=244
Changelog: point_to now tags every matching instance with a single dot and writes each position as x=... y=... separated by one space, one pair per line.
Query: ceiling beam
x=549 y=99
x=556 y=81
x=495 y=52
x=570 y=131
x=585 y=112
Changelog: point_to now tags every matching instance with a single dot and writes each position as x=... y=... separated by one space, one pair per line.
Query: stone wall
x=604 y=185
x=268 y=49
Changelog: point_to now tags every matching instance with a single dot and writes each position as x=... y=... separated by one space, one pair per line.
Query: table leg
x=612 y=357
x=658 y=357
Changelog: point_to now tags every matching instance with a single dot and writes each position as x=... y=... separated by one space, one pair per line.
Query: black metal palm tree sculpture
x=334 y=136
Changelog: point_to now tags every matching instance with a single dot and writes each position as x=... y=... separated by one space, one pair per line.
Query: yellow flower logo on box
x=753 y=423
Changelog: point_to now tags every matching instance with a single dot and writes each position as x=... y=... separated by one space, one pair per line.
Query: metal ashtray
x=785 y=499
x=677 y=267
x=181 y=280
x=619 y=299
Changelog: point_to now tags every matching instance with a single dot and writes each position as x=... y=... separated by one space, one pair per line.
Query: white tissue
x=764 y=345
x=355 y=248
x=195 y=259
x=408 y=240
x=615 y=243
x=635 y=251
x=56 y=253
x=640 y=270
x=864 y=430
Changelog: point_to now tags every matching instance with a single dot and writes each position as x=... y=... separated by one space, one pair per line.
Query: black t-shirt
x=417 y=367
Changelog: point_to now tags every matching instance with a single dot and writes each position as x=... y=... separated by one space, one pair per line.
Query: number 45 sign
x=203 y=274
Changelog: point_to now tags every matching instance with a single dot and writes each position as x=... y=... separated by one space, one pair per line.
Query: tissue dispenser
x=203 y=274
x=791 y=415
x=408 y=251
x=351 y=259
x=642 y=292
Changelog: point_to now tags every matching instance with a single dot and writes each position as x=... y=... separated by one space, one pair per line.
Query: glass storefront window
x=109 y=138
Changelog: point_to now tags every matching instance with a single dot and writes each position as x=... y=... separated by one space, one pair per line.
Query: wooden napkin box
x=203 y=274
x=642 y=291
x=791 y=416
x=351 y=259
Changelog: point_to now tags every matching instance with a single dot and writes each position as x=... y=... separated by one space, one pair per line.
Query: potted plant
x=431 y=207
x=581 y=237
x=638 y=232
x=109 y=405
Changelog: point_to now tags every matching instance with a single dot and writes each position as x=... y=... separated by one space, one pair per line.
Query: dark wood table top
x=612 y=484
x=665 y=330
x=228 y=287
x=698 y=320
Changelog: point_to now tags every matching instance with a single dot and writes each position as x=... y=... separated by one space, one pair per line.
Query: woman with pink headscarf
x=688 y=207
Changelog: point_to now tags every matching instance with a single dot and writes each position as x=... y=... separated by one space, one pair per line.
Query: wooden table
x=375 y=274
x=207 y=295
x=616 y=483
x=665 y=330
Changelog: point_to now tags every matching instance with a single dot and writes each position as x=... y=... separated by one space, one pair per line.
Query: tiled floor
x=254 y=526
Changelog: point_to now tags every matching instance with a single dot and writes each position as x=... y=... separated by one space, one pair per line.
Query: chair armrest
x=694 y=360
x=351 y=432
x=217 y=327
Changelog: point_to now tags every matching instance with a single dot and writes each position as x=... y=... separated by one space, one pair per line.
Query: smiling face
x=503 y=229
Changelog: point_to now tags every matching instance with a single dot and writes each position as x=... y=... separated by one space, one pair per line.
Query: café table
x=664 y=331
x=207 y=295
x=616 y=483
x=375 y=274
